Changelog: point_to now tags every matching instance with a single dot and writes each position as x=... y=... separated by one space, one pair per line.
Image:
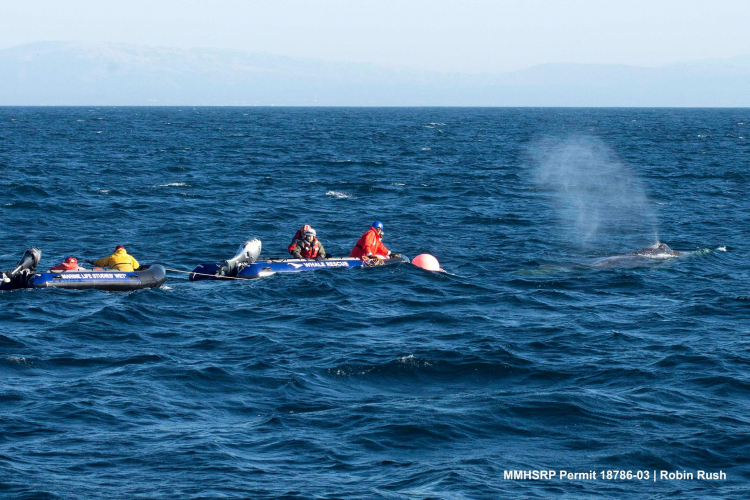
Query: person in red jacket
x=309 y=247
x=298 y=236
x=70 y=264
x=370 y=245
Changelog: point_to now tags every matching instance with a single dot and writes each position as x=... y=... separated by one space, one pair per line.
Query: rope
x=202 y=274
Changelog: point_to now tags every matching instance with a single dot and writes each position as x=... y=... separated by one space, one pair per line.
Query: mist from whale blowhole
x=600 y=201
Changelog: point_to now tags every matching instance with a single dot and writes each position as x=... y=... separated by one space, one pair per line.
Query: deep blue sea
x=533 y=352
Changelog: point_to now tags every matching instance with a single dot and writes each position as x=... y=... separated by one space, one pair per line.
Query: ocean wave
x=173 y=184
x=6 y=341
x=338 y=194
x=111 y=191
x=18 y=360
x=414 y=367
x=29 y=191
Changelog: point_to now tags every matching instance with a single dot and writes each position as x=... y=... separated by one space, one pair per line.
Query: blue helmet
x=377 y=225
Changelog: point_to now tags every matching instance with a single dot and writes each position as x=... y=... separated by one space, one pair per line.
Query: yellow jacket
x=119 y=261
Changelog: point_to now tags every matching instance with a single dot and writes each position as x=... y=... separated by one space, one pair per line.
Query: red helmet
x=70 y=263
x=305 y=228
x=119 y=247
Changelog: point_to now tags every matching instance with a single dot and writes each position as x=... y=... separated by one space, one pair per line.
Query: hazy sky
x=462 y=35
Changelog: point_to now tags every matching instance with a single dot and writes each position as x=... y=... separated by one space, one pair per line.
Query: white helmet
x=310 y=232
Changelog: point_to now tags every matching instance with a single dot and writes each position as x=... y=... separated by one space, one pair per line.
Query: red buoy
x=426 y=262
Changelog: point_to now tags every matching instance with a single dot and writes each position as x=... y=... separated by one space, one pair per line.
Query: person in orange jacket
x=370 y=245
x=70 y=264
x=118 y=261
x=310 y=247
x=298 y=236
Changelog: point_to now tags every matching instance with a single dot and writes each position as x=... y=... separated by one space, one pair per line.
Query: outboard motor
x=28 y=262
x=247 y=254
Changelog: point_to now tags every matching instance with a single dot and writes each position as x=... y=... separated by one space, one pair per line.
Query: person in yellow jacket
x=118 y=261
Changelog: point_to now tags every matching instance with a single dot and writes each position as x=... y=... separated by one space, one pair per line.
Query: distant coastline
x=116 y=74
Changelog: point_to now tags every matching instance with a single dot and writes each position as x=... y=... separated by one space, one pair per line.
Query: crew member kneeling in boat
x=370 y=245
x=118 y=261
x=309 y=247
x=298 y=236
x=69 y=264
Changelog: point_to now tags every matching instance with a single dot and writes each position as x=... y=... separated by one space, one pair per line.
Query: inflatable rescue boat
x=25 y=275
x=246 y=264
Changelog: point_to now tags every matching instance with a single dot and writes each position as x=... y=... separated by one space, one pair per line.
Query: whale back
x=657 y=251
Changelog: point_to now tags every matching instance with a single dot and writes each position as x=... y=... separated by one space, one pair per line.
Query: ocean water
x=536 y=352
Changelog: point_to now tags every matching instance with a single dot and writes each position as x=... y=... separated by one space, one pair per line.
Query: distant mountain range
x=77 y=73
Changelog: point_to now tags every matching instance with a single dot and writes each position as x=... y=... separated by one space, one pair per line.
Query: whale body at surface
x=657 y=251
x=640 y=257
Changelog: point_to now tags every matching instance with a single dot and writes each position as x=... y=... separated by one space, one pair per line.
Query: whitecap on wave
x=412 y=361
x=17 y=359
x=174 y=184
x=337 y=194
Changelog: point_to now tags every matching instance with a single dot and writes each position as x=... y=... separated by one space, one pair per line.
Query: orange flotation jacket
x=299 y=235
x=368 y=245
x=309 y=250
x=70 y=264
